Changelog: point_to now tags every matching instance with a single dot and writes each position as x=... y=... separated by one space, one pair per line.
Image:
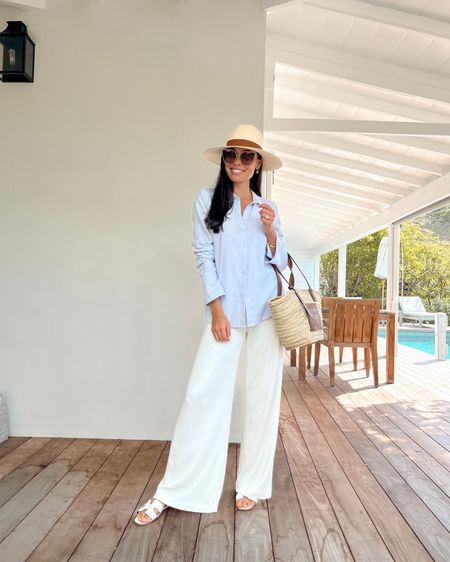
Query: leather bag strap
x=291 y=281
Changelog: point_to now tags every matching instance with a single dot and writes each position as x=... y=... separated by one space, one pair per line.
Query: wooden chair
x=325 y=313
x=305 y=352
x=350 y=323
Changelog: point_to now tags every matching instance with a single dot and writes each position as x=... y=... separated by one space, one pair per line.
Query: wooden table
x=390 y=344
x=390 y=350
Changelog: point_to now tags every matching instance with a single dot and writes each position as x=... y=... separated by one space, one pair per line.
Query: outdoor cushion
x=411 y=304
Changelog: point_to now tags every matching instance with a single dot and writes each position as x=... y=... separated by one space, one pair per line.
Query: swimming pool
x=420 y=339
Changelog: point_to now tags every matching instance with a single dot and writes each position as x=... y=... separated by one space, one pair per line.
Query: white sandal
x=149 y=509
x=240 y=496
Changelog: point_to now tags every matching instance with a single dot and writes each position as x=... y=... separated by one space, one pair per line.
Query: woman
x=237 y=238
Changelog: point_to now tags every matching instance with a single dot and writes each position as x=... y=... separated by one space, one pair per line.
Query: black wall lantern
x=16 y=54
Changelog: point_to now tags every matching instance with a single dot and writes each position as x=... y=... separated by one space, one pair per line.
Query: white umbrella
x=382 y=259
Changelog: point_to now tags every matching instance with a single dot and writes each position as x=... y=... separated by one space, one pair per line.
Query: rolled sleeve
x=281 y=256
x=204 y=250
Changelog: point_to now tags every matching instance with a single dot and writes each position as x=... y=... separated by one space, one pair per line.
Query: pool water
x=422 y=340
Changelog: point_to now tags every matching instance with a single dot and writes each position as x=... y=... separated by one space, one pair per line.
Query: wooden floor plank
x=375 y=410
x=427 y=443
x=414 y=389
x=415 y=398
x=34 y=464
x=178 y=536
x=100 y=542
x=252 y=539
x=21 y=542
x=430 y=427
x=421 y=383
x=16 y=457
x=65 y=535
x=427 y=490
x=18 y=507
x=419 y=397
x=289 y=535
x=10 y=444
x=401 y=541
x=215 y=539
x=422 y=521
x=139 y=543
x=327 y=541
x=362 y=536
x=420 y=378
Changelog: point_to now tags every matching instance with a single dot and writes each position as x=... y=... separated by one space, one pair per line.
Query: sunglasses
x=230 y=155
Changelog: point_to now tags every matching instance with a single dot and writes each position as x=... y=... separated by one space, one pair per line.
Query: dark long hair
x=222 y=199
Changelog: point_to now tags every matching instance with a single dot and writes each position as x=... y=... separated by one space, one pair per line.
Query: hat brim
x=270 y=160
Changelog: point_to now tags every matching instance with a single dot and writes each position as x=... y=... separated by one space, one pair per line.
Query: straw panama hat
x=245 y=136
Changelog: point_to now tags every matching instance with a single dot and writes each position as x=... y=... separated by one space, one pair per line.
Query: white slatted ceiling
x=331 y=181
x=329 y=24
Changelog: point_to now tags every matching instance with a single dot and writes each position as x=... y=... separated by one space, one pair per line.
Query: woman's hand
x=267 y=216
x=220 y=326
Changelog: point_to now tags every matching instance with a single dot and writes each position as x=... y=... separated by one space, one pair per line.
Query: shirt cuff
x=211 y=293
x=280 y=257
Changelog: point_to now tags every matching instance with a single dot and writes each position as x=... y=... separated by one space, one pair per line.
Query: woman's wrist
x=215 y=306
x=272 y=239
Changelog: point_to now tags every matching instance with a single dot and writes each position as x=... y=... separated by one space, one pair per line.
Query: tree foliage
x=424 y=267
x=437 y=221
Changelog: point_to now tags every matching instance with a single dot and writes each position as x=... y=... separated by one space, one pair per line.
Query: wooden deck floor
x=360 y=474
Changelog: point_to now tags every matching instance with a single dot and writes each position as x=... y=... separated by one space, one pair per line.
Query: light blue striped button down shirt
x=235 y=264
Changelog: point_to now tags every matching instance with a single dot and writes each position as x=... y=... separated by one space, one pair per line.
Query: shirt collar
x=255 y=198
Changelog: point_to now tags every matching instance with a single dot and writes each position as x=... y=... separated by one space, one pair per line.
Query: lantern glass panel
x=12 y=54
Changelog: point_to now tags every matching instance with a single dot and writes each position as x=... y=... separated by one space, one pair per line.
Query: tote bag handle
x=291 y=281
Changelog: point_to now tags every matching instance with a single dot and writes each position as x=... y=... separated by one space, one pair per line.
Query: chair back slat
x=339 y=319
x=359 y=320
x=347 y=310
x=328 y=315
x=367 y=323
x=326 y=301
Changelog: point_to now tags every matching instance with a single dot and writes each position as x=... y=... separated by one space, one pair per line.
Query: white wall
x=100 y=302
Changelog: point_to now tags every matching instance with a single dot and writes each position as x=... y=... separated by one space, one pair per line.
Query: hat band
x=243 y=142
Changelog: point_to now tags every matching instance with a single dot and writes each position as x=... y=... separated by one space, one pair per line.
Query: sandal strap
x=150 y=505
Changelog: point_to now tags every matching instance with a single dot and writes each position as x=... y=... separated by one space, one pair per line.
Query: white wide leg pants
x=195 y=472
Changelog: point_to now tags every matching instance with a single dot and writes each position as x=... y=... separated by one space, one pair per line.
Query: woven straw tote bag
x=298 y=313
